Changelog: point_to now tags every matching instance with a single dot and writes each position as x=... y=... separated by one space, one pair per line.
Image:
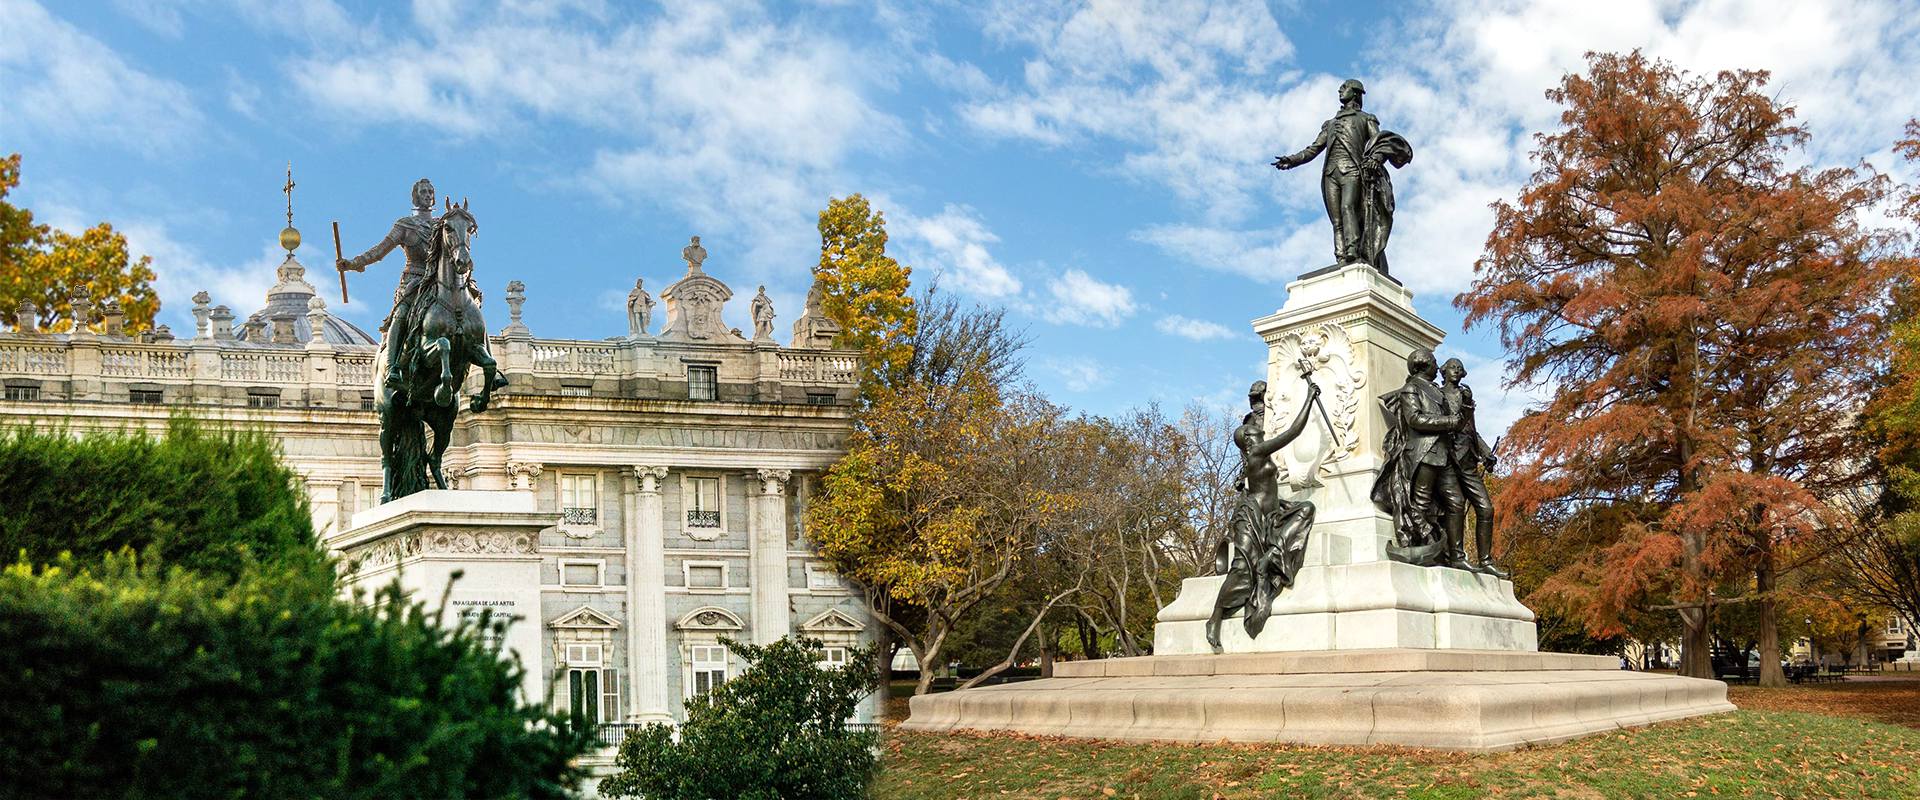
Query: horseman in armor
x=413 y=234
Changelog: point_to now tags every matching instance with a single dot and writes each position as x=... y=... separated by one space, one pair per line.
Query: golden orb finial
x=290 y=236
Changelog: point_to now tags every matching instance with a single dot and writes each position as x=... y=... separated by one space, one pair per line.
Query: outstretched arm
x=379 y=251
x=1308 y=154
x=1273 y=445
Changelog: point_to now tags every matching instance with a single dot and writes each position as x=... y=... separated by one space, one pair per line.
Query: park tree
x=1879 y=564
x=863 y=288
x=1705 y=318
x=949 y=481
x=48 y=267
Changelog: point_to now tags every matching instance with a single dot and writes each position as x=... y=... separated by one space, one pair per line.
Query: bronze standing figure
x=1417 y=485
x=1353 y=178
x=1267 y=535
x=1470 y=455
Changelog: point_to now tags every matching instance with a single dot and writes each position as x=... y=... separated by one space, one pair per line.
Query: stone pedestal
x=491 y=538
x=1361 y=649
x=1475 y=700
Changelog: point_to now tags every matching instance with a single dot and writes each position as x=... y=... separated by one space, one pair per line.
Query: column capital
x=522 y=473
x=773 y=481
x=650 y=477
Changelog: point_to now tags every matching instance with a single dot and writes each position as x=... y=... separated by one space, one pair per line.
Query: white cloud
x=951 y=247
x=1199 y=330
x=61 y=83
x=1078 y=374
x=1076 y=298
x=181 y=270
x=1182 y=85
x=738 y=121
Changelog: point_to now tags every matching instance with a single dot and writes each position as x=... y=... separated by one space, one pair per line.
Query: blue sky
x=1098 y=169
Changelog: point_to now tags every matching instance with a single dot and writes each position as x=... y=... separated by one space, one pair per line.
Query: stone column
x=772 y=617
x=646 y=599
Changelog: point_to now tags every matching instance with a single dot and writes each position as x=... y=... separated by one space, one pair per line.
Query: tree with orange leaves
x=1707 y=319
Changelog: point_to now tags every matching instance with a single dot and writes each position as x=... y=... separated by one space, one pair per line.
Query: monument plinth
x=492 y=539
x=1364 y=645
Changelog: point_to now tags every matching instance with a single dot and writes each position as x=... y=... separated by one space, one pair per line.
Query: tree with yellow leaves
x=863 y=289
x=48 y=267
x=952 y=483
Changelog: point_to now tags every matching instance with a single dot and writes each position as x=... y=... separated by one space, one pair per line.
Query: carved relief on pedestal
x=1327 y=350
x=394 y=549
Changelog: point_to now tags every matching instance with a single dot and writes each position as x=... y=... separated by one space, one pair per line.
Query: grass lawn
x=1858 y=739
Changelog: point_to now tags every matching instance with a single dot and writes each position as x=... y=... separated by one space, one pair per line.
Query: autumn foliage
x=48 y=267
x=1707 y=318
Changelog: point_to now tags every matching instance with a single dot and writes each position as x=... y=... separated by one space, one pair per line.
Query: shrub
x=776 y=732
x=134 y=682
x=210 y=501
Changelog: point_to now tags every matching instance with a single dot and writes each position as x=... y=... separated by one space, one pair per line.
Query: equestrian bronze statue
x=433 y=334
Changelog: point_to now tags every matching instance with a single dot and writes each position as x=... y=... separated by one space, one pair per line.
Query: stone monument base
x=1474 y=700
x=1370 y=606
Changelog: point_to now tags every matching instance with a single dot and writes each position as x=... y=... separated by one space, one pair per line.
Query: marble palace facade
x=675 y=467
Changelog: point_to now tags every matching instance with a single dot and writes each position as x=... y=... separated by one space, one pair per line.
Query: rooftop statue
x=433 y=334
x=1353 y=178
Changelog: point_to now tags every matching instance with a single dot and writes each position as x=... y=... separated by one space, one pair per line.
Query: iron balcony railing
x=703 y=519
x=579 y=516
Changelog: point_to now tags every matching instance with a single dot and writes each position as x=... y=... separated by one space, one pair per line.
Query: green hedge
x=213 y=501
x=128 y=682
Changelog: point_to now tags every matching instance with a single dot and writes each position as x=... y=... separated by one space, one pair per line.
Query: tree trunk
x=1696 y=644
x=1763 y=582
x=1046 y=653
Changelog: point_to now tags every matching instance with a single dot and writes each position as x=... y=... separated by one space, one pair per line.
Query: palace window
x=149 y=397
x=1893 y=626
x=263 y=398
x=703 y=502
x=708 y=666
x=23 y=393
x=366 y=401
x=706 y=575
x=703 y=383
x=833 y=657
x=820 y=398
x=577 y=502
x=820 y=577
x=582 y=574
x=576 y=390
x=593 y=690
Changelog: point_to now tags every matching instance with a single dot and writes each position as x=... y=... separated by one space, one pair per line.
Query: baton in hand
x=1306 y=373
x=336 y=262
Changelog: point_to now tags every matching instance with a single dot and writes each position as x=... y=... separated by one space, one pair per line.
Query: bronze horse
x=450 y=336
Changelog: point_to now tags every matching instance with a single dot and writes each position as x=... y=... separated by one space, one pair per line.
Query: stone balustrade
x=94 y=367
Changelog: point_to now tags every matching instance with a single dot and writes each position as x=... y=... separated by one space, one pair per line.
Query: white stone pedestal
x=491 y=538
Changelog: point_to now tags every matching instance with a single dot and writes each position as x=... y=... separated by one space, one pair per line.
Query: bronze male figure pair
x=1434 y=469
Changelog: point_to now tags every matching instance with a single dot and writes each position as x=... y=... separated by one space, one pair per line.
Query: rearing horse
x=450 y=336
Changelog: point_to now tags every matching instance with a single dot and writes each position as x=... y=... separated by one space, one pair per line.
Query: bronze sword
x=336 y=262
